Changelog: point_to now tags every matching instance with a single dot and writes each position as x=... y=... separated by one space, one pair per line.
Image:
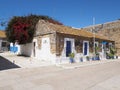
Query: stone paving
x=39 y=75
x=105 y=76
x=28 y=62
x=87 y=63
x=24 y=62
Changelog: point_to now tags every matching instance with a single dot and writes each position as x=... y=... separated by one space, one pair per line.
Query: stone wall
x=42 y=28
x=78 y=43
x=113 y=33
x=111 y=30
x=52 y=42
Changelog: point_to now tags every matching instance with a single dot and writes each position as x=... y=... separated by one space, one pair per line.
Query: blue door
x=68 y=48
x=85 y=48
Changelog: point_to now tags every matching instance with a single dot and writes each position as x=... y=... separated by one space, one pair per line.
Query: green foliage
x=96 y=50
x=88 y=58
x=22 y=28
x=112 y=50
x=112 y=53
x=71 y=55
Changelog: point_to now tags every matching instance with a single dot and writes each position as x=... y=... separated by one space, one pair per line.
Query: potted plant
x=97 y=53
x=87 y=58
x=71 y=56
x=113 y=51
x=97 y=56
x=110 y=56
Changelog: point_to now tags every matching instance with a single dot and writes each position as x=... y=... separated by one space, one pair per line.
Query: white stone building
x=54 y=43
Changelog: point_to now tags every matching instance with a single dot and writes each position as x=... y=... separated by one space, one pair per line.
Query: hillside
x=111 y=30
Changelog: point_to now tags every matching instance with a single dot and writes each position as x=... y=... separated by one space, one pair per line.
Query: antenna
x=93 y=37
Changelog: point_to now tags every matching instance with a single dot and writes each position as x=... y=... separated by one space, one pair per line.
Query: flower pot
x=71 y=60
x=97 y=58
x=93 y=58
x=81 y=59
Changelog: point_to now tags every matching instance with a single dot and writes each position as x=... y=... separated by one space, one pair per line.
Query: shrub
x=71 y=55
x=22 y=28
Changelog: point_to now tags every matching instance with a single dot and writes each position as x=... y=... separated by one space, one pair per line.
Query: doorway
x=34 y=44
x=68 y=48
x=85 y=48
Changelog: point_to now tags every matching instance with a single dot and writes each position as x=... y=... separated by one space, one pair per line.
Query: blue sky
x=74 y=13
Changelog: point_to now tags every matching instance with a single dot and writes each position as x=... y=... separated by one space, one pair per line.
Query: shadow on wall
x=6 y=64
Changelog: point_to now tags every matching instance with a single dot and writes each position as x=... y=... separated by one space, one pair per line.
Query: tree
x=22 y=28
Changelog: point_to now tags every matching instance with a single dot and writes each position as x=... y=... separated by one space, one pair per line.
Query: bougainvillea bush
x=22 y=28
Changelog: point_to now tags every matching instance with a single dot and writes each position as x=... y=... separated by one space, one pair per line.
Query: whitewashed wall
x=26 y=49
x=44 y=53
x=63 y=58
x=40 y=54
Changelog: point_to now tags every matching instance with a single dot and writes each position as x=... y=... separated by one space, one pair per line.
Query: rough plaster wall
x=111 y=30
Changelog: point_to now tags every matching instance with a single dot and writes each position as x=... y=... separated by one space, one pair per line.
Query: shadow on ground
x=6 y=64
